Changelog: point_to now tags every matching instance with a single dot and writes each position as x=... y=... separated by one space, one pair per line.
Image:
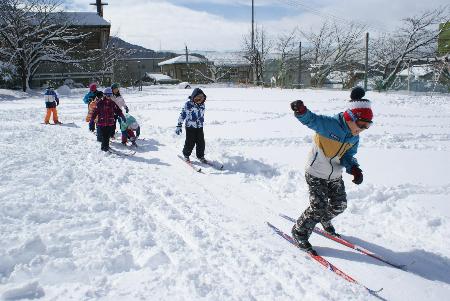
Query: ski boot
x=203 y=160
x=186 y=158
x=58 y=122
x=302 y=243
x=328 y=227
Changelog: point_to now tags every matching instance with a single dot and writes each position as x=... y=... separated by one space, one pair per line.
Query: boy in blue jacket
x=334 y=146
x=193 y=112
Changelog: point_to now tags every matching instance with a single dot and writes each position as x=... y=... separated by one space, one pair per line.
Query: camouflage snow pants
x=327 y=199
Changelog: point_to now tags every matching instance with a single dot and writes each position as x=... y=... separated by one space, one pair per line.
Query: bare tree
x=286 y=47
x=414 y=40
x=257 y=54
x=333 y=48
x=33 y=32
x=214 y=72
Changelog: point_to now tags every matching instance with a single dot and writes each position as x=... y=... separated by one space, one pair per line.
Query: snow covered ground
x=76 y=224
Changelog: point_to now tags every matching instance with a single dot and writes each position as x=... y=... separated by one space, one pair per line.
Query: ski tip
x=374 y=292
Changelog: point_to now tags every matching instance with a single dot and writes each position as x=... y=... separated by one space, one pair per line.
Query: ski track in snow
x=78 y=224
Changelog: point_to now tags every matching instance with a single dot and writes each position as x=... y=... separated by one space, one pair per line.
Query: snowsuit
x=91 y=107
x=128 y=129
x=51 y=101
x=105 y=110
x=90 y=99
x=333 y=149
x=194 y=115
x=120 y=102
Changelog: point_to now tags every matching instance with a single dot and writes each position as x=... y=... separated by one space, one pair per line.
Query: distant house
x=185 y=69
x=99 y=31
x=159 y=78
x=128 y=70
x=421 y=72
x=230 y=66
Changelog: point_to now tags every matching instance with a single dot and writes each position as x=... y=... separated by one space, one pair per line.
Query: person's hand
x=126 y=109
x=124 y=120
x=357 y=175
x=298 y=107
x=178 y=129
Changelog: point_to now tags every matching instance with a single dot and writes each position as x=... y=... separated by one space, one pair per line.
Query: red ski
x=328 y=265
x=349 y=244
x=188 y=162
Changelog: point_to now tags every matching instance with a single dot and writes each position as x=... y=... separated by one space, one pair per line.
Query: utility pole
x=262 y=58
x=253 y=42
x=99 y=5
x=366 y=66
x=300 y=65
x=187 y=62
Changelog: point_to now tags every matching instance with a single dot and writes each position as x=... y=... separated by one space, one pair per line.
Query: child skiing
x=90 y=97
x=105 y=110
x=334 y=146
x=128 y=128
x=120 y=102
x=193 y=112
x=51 y=102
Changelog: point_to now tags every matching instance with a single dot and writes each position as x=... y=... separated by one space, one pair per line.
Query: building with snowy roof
x=187 y=68
x=209 y=66
x=81 y=71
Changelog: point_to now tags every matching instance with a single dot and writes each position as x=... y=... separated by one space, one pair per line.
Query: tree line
x=336 y=47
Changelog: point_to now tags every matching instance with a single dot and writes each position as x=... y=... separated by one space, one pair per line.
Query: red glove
x=357 y=175
x=298 y=107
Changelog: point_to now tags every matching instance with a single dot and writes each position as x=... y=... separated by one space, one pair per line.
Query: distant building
x=158 y=78
x=81 y=72
x=128 y=71
x=212 y=66
x=185 y=69
x=234 y=67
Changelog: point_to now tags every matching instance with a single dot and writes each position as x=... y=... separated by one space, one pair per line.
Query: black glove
x=298 y=107
x=124 y=120
x=357 y=175
x=126 y=109
x=178 y=129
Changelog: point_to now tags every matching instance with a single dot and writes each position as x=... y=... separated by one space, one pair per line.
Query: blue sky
x=221 y=24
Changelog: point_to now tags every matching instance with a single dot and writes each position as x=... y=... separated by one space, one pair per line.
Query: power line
x=298 y=4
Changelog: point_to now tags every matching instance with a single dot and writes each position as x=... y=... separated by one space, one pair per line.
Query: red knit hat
x=93 y=87
x=359 y=109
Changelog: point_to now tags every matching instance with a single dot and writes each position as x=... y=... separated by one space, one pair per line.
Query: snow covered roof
x=83 y=19
x=77 y=19
x=182 y=60
x=157 y=76
x=417 y=71
x=227 y=58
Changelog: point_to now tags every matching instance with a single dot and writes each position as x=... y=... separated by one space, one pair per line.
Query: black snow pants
x=194 y=137
x=327 y=199
x=105 y=132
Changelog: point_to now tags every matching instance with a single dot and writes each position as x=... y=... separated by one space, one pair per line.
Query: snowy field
x=76 y=224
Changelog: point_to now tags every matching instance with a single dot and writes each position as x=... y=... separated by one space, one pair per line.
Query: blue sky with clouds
x=221 y=24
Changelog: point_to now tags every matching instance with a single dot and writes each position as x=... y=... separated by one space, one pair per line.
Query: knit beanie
x=359 y=109
x=357 y=93
x=92 y=87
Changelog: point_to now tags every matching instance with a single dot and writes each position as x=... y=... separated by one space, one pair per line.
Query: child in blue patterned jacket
x=193 y=114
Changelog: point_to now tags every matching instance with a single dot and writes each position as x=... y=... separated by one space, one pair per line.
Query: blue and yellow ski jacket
x=334 y=146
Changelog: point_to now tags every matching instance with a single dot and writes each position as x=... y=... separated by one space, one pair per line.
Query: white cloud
x=161 y=23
